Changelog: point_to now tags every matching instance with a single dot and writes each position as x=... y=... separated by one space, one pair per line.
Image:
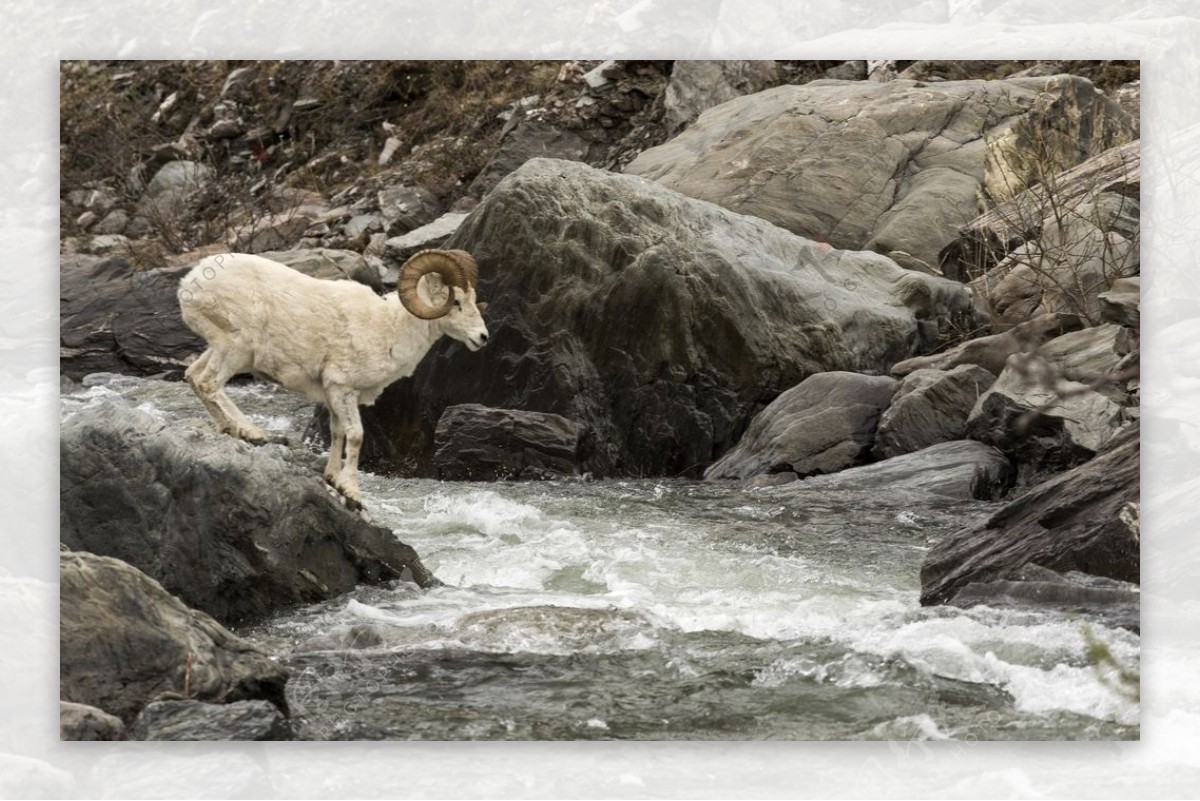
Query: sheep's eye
x=458 y=304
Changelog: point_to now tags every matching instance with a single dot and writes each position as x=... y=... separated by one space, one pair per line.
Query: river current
x=665 y=609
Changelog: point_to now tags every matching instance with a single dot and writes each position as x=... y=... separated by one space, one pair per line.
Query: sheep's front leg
x=337 y=444
x=343 y=405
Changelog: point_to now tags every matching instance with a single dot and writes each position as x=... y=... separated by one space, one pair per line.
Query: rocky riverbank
x=778 y=274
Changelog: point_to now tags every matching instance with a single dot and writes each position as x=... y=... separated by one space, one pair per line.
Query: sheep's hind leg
x=208 y=376
x=343 y=407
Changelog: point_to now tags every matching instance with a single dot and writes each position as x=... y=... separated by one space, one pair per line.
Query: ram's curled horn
x=448 y=267
x=469 y=268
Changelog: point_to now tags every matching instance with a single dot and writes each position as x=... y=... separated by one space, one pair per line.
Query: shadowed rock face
x=233 y=530
x=475 y=443
x=124 y=640
x=658 y=323
x=1079 y=520
x=894 y=167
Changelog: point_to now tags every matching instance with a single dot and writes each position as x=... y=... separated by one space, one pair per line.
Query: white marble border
x=1164 y=33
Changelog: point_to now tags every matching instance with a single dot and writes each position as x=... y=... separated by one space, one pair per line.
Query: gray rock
x=824 y=424
x=1116 y=603
x=1090 y=357
x=170 y=195
x=660 y=323
x=1121 y=304
x=328 y=263
x=699 y=85
x=269 y=232
x=992 y=352
x=848 y=71
x=895 y=167
x=475 y=443
x=962 y=470
x=107 y=244
x=123 y=640
x=195 y=720
x=231 y=529
x=113 y=223
x=529 y=140
x=1075 y=258
x=1076 y=520
x=404 y=208
x=930 y=406
x=399 y=249
x=1042 y=420
x=83 y=722
x=113 y=319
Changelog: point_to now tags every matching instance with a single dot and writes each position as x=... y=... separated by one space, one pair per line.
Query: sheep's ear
x=482 y=308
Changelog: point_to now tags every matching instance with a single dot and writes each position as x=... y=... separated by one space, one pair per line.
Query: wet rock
x=354 y=637
x=404 y=208
x=475 y=443
x=992 y=352
x=400 y=249
x=231 y=529
x=896 y=167
x=660 y=323
x=1077 y=520
x=962 y=470
x=195 y=720
x=124 y=640
x=930 y=406
x=113 y=319
x=83 y=722
x=1116 y=603
x=699 y=85
x=824 y=424
x=1042 y=420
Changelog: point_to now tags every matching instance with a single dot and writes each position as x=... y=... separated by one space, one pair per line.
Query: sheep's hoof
x=353 y=502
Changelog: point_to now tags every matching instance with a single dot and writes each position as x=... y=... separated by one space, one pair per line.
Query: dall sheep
x=336 y=341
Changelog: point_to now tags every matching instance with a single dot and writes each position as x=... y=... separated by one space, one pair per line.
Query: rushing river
x=666 y=609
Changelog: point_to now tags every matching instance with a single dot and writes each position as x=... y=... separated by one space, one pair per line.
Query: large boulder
x=1084 y=520
x=234 y=530
x=895 y=167
x=1122 y=303
x=117 y=320
x=962 y=470
x=699 y=85
x=824 y=424
x=660 y=323
x=328 y=263
x=475 y=443
x=930 y=406
x=124 y=641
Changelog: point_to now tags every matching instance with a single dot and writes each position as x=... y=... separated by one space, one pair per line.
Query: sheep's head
x=447 y=293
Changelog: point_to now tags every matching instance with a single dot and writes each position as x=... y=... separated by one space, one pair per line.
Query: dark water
x=668 y=610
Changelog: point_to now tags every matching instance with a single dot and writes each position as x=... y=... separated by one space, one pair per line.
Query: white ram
x=336 y=341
